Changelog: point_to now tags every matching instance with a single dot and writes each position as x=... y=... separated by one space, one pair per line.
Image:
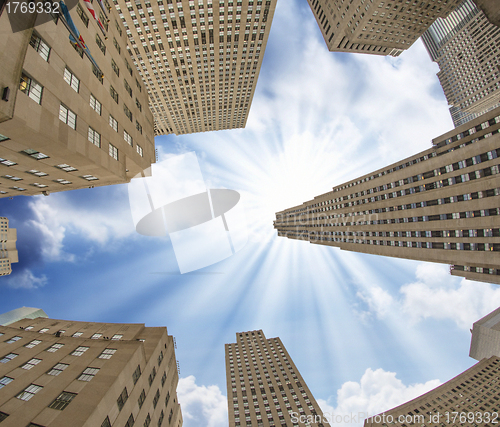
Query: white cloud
x=376 y=392
x=25 y=280
x=201 y=405
x=434 y=295
x=56 y=218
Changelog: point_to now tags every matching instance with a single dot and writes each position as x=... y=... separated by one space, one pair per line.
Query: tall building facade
x=471 y=398
x=377 y=28
x=466 y=46
x=440 y=205
x=485 y=340
x=264 y=387
x=69 y=120
x=199 y=60
x=59 y=373
x=8 y=251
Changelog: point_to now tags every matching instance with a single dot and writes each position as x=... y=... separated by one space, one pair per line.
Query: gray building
x=485 y=340
x=466 y=46
x=21 y=313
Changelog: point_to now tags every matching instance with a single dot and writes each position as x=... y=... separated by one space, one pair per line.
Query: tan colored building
x=440 y=205
x=466 y=46
x=8 y=251
x=63 y=124
x=470 y=399
x=59 y=373
x=490 y=9
x=264 y=387
x=200 y=60
x=485 y=340
x=380 y=27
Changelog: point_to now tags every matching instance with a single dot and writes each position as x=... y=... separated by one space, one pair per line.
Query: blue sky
x=367 y=333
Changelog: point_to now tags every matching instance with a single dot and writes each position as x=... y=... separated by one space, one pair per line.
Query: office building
x=199 y=60
x=440 y=205
x=21 y=313
x=264 y=387
x=59 y=373
x=466 y=46
x=471 y=398
x=485 y=340
x=69 y=120
x=8 y=251
x=490 y=9
x=377 y=28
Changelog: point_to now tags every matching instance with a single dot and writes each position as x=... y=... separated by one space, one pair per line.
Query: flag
x=103 y=9
x=92 y=12
x=74 y=35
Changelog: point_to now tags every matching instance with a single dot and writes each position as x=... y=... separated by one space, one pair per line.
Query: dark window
x=62 y=400
x=137 y=373
x=122 y=399
x=82 y=15
x=142 y=398
x=106 y=423
x=156 y=398
x=130 y=421
x=3 y=415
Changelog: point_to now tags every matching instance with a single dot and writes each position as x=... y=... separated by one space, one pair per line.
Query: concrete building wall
x=118 y=351
x=37 y=125
x=485 y=340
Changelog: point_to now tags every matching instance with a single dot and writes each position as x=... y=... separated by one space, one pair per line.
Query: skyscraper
x=69 y=373
x=440 y=205
x=69 y=120
x=485 y=340
x=380 y=28
x=471 y=398
x=200 y=60
x=466 y=46
x=8 y=251
x=264 y=387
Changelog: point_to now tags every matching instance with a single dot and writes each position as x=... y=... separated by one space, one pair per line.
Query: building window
x=8 y=357
x=118 y=27
x=115 y=43
x=147 y=421
x=79 y=351
x=13 y=339
x=40 y=46
x=43 y=330
x=163 y=378
x=57 y=369
x=127 y=137
x=62 y=181
x=107 y=353
x=89 y=177
x=122 y=399
x=152 y=376
x=129 y=68
x=160 y=358
x=142 y=398
x=31 y=88
x=103 y=20
x=31 y=363
x=95 y=104
x=113 y=123
x=67 y=116
x=130 y=421
x=72 y=80
x=127 y=112
x=113 y=151
x=106 y=422
x=54 y=347
x=77 y=334
x=127 y=87
x=156 y=398
x=62 y=400
x=88 y=374
x=138 y=104
x=3 y=416
x=4 y=381
x=115 y=67
x=29 y=392
x=38 y=156
x=138 y=127
x=100 y=44
x=98 y=73
x=139 y=150
x=82 y=15
x=66 y=168
x=160 y=418
x=113 y=93
x=32 y=344
x=6 y=162
x=96 y=336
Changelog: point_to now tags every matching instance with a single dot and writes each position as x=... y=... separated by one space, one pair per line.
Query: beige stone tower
x=264 y=387
x=377 y=27
x=440 y=205
x=485 y=340
x=199 y=59
x=66 y=121
x=8 y=251
x=60 y=373
x=469 y=399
